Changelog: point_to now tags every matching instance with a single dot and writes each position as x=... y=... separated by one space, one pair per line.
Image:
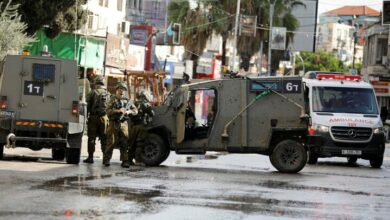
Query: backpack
x=101 y=99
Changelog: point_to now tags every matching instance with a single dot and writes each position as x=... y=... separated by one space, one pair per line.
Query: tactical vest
x=100 y=102
x=118 y=104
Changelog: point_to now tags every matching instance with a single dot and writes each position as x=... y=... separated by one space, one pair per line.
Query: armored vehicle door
x=180 y=102
x=39 y=97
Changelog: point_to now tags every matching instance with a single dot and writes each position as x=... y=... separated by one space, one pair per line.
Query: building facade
x=341 y=31
x=148 y=12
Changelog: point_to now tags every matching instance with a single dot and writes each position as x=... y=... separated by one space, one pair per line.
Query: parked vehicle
x=344 y=111
x=261 y=115
x=40 y=106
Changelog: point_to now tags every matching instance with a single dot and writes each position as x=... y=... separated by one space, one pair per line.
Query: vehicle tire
x=376 y=162
x=289 y=156
x=352 y=160
x=154 y=152
x=58 y=153
x=1 y=151
x=73 y=152
x=312 y=157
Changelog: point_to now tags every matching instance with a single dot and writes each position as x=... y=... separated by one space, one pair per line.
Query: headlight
x=378 y=130
x=321 y=128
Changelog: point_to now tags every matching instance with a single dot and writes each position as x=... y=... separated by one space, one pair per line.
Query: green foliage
x=12 y=36
x=55 y=15
x=321 y=61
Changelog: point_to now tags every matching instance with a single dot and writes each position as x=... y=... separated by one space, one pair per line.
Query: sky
x=327 y=5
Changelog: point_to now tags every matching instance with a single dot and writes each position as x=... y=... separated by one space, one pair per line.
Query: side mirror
x=384 y=113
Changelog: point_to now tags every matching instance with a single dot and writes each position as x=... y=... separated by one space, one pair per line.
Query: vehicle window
x=344 y=100
x=200 y=113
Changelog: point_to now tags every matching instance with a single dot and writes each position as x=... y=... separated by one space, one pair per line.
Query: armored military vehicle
x=262 y=115
x=39 y=106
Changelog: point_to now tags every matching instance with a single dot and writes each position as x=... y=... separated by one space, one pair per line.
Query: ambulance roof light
x=338 y=77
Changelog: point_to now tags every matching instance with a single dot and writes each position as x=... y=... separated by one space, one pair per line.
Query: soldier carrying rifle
x=118 y=111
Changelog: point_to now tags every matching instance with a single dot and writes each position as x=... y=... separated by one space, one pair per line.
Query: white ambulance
x=344 y=111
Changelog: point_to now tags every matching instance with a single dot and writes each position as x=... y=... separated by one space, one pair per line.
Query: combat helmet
x=121 y=85
x=98 y=80
x=144 y=95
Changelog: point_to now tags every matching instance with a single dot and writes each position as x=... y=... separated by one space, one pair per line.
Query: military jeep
x=261 y=115
x=39 y=106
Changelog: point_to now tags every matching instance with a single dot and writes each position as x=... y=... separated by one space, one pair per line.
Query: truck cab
x=344 y=111
x=261 y=115
x=40 y=106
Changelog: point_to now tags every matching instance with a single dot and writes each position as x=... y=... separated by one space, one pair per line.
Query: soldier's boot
x=91 y=150
x=89 y=159
x=125 y=164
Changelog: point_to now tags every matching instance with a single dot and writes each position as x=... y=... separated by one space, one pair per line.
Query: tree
x=218 y=16
x=321 y=61
x=55 y=15
x=12 y=36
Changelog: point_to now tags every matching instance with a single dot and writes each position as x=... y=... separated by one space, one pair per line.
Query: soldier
x=118 y=111
x=97 y=101
x=138 y=132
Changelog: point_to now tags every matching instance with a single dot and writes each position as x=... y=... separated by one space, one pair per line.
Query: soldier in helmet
x=138 y=132
x=118 y=111
x=97 y=101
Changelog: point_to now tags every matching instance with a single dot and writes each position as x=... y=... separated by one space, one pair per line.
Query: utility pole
x=271 y=19
x=232 y=63
x=261 y=58
x=356 y=28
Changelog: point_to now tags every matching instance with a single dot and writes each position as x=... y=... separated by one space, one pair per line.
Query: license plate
x=351 y=152
x=7 y=113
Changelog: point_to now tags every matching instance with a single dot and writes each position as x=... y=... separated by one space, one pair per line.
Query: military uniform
x=119 y=108
x=97 y=118
x=138 y=131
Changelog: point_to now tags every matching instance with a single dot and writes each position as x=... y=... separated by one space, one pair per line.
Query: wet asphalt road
x=215 y=186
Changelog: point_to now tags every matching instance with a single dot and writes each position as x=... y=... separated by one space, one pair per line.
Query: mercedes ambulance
x=344 y=111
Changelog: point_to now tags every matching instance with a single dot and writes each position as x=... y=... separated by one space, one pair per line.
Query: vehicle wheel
x=154 y=151
x=376 y=162
x=57 y=154
x=352 y=160
x=289 y=156
x=1 y=151
x=73 y=152
x=312 y=157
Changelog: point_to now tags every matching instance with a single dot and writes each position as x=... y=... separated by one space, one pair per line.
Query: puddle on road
x=285 y=185
x=154 y=198
x=79 y=183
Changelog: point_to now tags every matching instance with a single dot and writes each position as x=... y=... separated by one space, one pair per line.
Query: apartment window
x=103 y=3
x=119 y=28
x=90 y=21
x=338 y=34
x=140 y=6
x=155 y=9
x=345 y=34
x=119 y=5
x=381 y=50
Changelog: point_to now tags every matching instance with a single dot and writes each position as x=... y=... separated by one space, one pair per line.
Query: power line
x=208 y=23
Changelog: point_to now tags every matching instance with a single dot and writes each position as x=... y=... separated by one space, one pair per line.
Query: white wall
x=106 y=18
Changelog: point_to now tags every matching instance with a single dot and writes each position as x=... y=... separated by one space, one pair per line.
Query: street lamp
x=235 y=35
